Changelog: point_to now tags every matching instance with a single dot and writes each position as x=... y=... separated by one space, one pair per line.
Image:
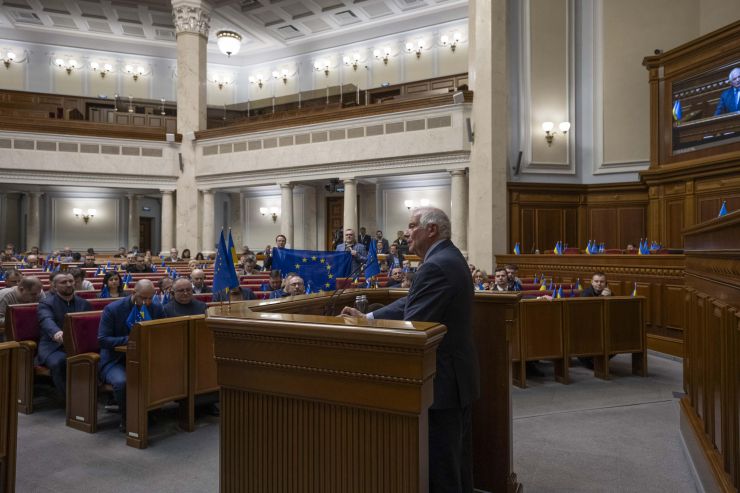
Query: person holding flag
x=115 y=326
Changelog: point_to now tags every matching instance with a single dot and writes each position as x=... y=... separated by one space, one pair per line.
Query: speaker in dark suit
x=729 y=101
x=443 y=292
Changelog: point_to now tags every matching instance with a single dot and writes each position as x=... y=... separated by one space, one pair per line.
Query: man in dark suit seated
x=115 y=327
x=599 y=286
x=198 y=277
x=442 y=292
x=182 y=303
x=729 y=101
x=396 y=278
x=51 y=312
x=394 y=258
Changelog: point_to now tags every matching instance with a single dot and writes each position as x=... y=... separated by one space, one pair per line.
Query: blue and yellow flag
x=372 y=267
x=677 y=114
x=232 y=250
x=138 y=314
x=320 y=269
x=517 y=250
x=224 y=273
x=634 y=290
x=560 y=292
x=723 y=209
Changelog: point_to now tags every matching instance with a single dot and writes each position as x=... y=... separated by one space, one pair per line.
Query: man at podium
x=729 y=101
x=442 y=292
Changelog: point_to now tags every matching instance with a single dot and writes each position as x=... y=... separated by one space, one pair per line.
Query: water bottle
x=361 y=303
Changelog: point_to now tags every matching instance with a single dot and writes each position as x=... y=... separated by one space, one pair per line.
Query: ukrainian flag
x=677 y=114
x=517 y=251
x=634 y=290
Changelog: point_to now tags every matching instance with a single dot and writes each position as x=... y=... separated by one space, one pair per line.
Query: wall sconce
x=257 y=79
x=353 y=61
x=445 y=40
x=410 y=204
x=410 y=48
x=106 y=68
x=283 y=74
x=8 y=58
x=85 y=216
x=135 y=72
x=322 y=65
x=274 y=211
x=68 y=65
x=221 y=81
x=550 y=135
x=382 y=55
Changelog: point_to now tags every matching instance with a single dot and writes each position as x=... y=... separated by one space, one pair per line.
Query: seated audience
x=66 y=255
x=394 y=258
x=91 y=251
x=12 y=278
x=8 y=254
x=121 y=253
x=396 y=279
x=480 y=280
x=76 y=257
x=383 y=247
x=90 y=261
x=32 y=261
x=165 y=291
x=515 y=284
x=186 y=254
x=192 y=265
x=248 y=265
x=115 y=327
x=276 y=285
x=173 y=256
x=294 y=285
x=80 y=283
x=138 y=265
x=198 y=278
x=408 y=279
x=112 y=285
x=34 y=251
x=183 y=303
x=407 y=266
x=598 y=286
x=500 y=280
x=199 y=256
x=28 y=290
x=401 y=242
x=238 y=294
x=51 y=312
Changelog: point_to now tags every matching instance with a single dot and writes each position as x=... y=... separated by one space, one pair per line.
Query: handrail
x=83 y=128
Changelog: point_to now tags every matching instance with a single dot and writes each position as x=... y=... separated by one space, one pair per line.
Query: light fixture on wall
x=383 y=54
x=550 y=134
x=352 y=61
x=101 y=69
x=84 y=215
x=410 y=204
x=274 y=211
x=9 y=57
x=410 y=48
x=321 y=65
x=135 y=71
x=451 y=42
x=221 y=81
x=257 y=80
x=229 y=42
x=283 y=75
x=67 y=65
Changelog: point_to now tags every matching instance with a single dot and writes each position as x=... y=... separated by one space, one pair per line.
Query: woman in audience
x=112 y=281
x=199 y=256
x=480 y=280
x=185 y=254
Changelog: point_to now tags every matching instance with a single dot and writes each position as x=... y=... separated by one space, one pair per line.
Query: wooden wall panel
x=674 y=224
x=549 y=228
x=631 y=225
x=571 y=227
x=601 y=226
x=528 y=235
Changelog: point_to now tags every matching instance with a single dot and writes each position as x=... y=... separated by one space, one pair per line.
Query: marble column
x=33 y=227
x=350 y=204
x=487 y=51
x=192 y=20
x=168 y=236
x=459 y=209
x=209 y=243
x=133 y=220
x=286 y=213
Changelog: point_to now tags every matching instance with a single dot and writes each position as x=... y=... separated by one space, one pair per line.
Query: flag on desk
x=321 y=269
x=138 y=314
x=677 y=114
x=105 y=292
x=517 y=250
x=723 y=209
x=634 y=290
x=372 y=267
x=224 y=272
x=232 y=250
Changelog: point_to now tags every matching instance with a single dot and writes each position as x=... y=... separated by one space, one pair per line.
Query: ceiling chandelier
x=229 y=42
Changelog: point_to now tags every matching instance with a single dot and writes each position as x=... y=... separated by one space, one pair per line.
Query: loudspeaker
x=170 y=137
x=469 y=128
x=458 y=97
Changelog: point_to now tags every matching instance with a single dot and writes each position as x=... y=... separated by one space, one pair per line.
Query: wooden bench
x=9 y=353
x=23 y=327
x=563 y=328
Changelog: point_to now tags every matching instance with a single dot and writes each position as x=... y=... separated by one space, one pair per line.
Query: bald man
x=27 y=290
x=114 y=330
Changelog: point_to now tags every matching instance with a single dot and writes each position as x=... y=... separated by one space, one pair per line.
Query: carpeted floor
x=590 y=436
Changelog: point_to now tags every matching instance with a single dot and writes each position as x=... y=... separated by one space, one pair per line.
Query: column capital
x=166 y=192
x=458 y=172
x=287 y=185
x=207 y=191
x=349 y=180
x=191 y=16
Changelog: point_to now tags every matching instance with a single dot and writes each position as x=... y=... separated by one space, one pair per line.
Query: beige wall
x=714 y=14
x=101 y=231
x=13 y=77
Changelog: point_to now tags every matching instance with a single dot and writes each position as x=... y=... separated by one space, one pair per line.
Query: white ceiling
x=271 y=29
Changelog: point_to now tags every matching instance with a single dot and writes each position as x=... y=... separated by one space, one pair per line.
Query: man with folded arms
x=183 y=304
x=51 y=312
x=115 y=326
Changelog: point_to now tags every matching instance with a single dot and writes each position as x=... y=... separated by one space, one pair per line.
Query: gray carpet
x=591 y=436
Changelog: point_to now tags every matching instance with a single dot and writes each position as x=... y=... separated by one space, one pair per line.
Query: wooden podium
x=312 y=403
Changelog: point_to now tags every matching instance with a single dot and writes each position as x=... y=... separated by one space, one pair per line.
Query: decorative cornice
x=86 y=179
x=191 y=19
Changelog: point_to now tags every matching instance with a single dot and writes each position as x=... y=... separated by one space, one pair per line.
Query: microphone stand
x=331 y=302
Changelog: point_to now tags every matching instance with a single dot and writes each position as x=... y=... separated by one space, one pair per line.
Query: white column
x=168 y=210
x=33 y=228
x=487 y=51
x=286 y=213
x=459 y=210
x=209 y=235
x=192 y=22
x=350 y=204
x=133 y=220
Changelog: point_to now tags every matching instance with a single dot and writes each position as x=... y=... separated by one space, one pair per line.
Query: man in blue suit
x=443 y=292
x=729 y=101
x=51 y=312
x=114 y=329
x=357 y=250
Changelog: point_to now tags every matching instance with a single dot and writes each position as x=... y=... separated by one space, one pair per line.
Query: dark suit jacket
x=390 y=260
x=175 y=309
x=113 y=330
x=205 y=289
x=727 y=102
x=589 y=291
x=51 y=311
x=443 y=292
x=386 y=246
x=365 y=240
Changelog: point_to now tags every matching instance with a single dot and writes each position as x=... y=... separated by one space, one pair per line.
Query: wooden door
x=145 y=234
x=334 y=218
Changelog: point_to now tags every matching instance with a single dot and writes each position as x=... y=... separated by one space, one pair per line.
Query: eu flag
x=372 y=267
x=138 y=314
x=319 y=269
x=224 y=274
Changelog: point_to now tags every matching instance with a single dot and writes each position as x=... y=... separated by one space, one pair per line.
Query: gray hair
x=432 y=215
x=734 y=71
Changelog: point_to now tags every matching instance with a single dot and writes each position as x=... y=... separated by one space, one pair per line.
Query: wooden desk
x=9 y=352
x=659 y=278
